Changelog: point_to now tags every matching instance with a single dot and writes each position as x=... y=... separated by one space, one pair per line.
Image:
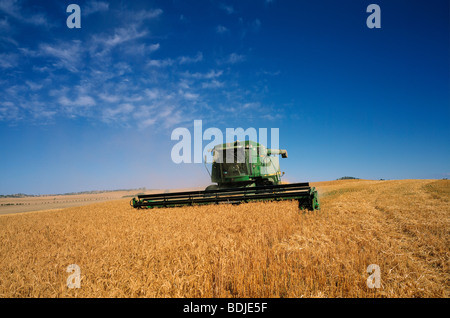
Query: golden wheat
x=250 y=250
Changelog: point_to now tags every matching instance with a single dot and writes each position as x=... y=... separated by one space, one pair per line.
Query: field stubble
x=249 y=250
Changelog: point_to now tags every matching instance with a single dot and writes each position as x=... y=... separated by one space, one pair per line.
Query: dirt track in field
x=56 y=202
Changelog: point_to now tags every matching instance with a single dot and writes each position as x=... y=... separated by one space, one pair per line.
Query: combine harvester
x=251 y=172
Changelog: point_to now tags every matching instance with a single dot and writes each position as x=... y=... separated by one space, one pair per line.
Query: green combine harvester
x=243 y=172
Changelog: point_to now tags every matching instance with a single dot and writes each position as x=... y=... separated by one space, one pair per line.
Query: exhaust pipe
x=281 y=152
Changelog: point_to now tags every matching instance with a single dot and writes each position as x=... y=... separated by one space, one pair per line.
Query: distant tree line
x=23 y=195
x=346 y=178
x=17 y=195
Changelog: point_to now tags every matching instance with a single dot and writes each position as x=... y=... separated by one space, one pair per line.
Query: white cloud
x=8 y=39
x=174 y=119
x=274 y=73
x=184 y=83
x=187 y=59
x=180 y=60
x=209 y=75
x=34 y=86
x=109 y=98
x=152 y=93
x=212 y=84
x=140 y=16
x=146 y=122
x=153 y=47
x=213 y=74
x=67 y=54
x=131 y=28
x=190 y=96
x=165 y=111
x=251 y=105
x=227 y=8
x=4 y=24
x=8 y=60
x=160 y=63
x=169 y=91
x=41 y=69
x=38 y=109
x=9 y=111
x=116 y=114
x=94 y=6
x=141 y=49
x=256 y=25
x=253 y=26
x=83 y=101
x=13 y=9
x=221 y=29
x=121 y=35
x=133 y=98
x=272 y=117
x=233 y=58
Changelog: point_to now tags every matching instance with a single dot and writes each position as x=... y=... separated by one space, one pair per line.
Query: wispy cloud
x=227 y=8
x=34 y=86
x=117 y=114
x=233 y=58
x=67 y=55
x=252 y=105
x=117 y=74
x=9 y=111
x=188 y=59
x=179 y=60
x=160 y=63
x=249 y=27
x=143 y=15
x=102 y=44
x=272 y=117
x=153 y=93
x=83 y=101
x=141 y=49
x=14 y=9
x=271 y=73
x=4 y=24
x=109 y=98
x=8 y=60
x=209 y=75
x=255 y=25
x=213 y=84
x=94 y=7
x=221 y=29
x=190 y=96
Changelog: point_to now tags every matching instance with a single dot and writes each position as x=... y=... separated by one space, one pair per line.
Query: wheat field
x=250 y=250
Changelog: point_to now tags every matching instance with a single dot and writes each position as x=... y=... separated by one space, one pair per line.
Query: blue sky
x=94 y=108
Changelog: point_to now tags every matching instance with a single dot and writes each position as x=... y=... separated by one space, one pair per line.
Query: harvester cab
x=245 y=164
x=243 y=172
